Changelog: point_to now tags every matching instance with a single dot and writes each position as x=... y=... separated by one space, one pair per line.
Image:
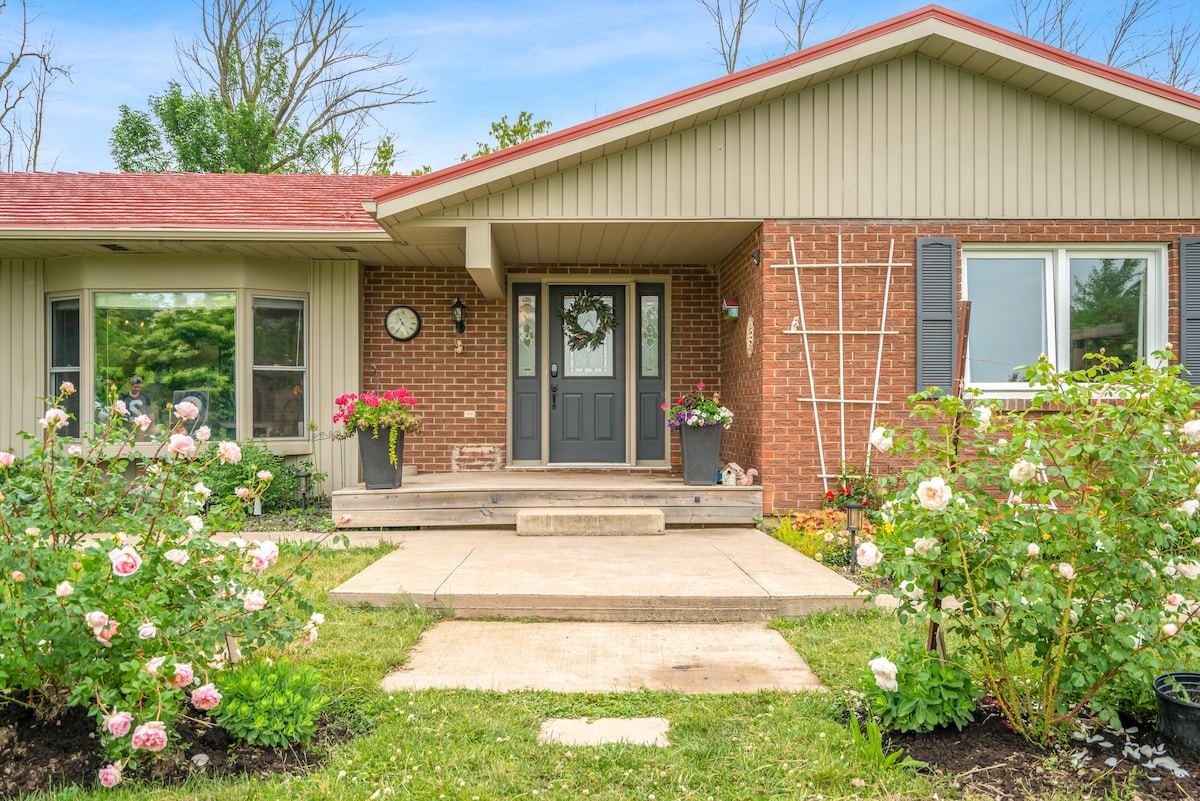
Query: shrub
x=113 y=596
x=270 y=703
x=819 y=534
x=281 y=492
x=1067 y=532
x=919 y=691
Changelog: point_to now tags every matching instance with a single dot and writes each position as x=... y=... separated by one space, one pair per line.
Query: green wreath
x=579 y=337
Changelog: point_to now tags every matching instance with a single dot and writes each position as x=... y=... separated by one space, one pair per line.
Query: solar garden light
x=854 y=519
x=302 y=477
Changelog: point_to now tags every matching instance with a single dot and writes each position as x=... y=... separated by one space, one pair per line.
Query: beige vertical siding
x=22 y=349
x=335 y=363
x=909 y=138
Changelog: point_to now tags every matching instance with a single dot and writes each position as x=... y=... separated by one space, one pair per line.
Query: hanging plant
x=579 y=337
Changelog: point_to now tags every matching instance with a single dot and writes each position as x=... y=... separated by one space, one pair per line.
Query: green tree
x=269 y=91
x=507 y=134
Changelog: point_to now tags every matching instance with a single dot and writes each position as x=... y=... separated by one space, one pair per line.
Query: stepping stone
x=581 y=731
x=590 y=522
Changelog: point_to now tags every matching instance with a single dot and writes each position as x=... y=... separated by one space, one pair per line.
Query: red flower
x=829 y=496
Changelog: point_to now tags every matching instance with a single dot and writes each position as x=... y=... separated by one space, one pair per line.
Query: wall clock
x=402 y=322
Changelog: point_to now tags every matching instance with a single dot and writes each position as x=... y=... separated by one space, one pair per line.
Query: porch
x=493 y=498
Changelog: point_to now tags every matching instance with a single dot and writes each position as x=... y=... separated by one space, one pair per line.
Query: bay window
x=1062 y=301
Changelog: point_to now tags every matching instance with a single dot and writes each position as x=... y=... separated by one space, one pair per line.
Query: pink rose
x=155 y=665
x=147 y=631
x=265 y=475
x=150 y=736
x=310 y=634
x=203 y=433
x=105 y=635
x=934 y=494
x=64 y=589
x=1175 y=599
x=264 y=555
x=54 y=419
x=118 y=723
x=229 y=452
x=254 y=601
x=243 y=493
x=195 y=522
x=125 y=561
x=74 y=449
x=176 y=555
x=7 y=459
x=110 y=774
x=186 y=410
x=1170 y=629
x=120 y=408
x=67 y=388
x=183 y=674
x=17 y=575
x=142 y=421
x=181 y=445
x=96 y=619
x=205 y=697
x=1066 y=571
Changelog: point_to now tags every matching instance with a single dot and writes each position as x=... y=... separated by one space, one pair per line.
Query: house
x=844 y=198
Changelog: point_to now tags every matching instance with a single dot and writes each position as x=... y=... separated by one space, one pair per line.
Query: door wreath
x=579 y=337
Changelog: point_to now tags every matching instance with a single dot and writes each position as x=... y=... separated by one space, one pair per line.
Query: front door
x=587 y=386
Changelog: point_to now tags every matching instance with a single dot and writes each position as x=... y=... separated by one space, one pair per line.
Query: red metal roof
x=780 y=65
x=199 y=201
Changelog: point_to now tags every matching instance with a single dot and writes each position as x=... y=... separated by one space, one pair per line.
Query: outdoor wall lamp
x=854 y=520
x=459 y=313
x=302 y=477
x=756 y=257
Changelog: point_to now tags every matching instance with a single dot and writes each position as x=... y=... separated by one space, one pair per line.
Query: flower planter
x=700 y=449
x=378 y=470
x=1178 y=710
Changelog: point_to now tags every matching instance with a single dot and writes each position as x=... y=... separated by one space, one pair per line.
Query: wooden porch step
x=590 y=522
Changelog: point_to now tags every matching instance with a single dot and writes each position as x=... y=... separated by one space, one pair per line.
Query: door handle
x=554 y=396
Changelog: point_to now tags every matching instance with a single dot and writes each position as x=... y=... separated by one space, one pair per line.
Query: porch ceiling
x=674 y=242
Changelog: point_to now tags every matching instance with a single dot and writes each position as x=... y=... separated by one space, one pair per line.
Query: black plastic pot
x=1178 y=712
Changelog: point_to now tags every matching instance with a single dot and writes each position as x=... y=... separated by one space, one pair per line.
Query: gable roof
x=937 y=33
x=46 y=202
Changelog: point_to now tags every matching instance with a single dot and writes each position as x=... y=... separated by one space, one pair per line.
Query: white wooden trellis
x=800 y=326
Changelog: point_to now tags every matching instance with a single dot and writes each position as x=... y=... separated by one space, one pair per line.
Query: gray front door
x=587 y=387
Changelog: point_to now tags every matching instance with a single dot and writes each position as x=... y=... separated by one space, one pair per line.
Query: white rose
x=868 y=555
x=1189 y=506
x=1066 y=571
x=885 y=673
x=1191 y=430
x=1022 y=472
x=923 y=545
x=934 y=494
x=1032 y=549
x=880 y=440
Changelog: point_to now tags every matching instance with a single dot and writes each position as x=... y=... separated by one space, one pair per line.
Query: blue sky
x=566 y=61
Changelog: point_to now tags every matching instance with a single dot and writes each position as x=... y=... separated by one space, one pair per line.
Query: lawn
x=483 y=745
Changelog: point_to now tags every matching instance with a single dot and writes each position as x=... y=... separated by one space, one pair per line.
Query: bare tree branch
x=1179 y=63
x=731 y=17
x=26 y=72
x=1055 y=22
x=302 y=64
x=801 y=15
x=1122 y=50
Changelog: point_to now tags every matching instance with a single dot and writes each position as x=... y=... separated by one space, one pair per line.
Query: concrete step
x=590 y=522
x=689 y=575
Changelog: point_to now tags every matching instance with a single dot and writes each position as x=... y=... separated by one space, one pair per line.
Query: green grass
x=483 y=745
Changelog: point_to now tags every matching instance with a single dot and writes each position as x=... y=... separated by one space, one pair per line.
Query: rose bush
x=1066 y=532
x=124 y=603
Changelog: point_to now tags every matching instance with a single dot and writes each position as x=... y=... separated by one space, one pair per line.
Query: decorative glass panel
x=181 y=346
x=527 y=336
x=588 y=362
x=650 y=334
x=1108 y=309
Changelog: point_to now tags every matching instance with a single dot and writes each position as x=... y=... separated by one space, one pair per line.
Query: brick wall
x=742 y=380
x=791 y=450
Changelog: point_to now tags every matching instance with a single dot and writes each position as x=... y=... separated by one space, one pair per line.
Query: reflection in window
x=279 y=368
x=64 y=356
x=527 y=336
x=649 y=336
x=1108 y=309
x=181 y=345
x=1008 y=316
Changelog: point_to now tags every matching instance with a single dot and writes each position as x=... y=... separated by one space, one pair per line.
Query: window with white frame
x=1063 y=301
x=155 y=349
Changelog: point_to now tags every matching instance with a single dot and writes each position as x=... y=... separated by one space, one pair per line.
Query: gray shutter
x=937 y=312
x=1189 y=308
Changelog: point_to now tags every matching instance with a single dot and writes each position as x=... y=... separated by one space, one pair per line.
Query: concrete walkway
x=684 y=575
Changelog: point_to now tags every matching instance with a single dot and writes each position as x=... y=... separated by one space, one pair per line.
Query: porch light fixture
x=756 y=257
x=302 y=477
x=459 y=313
x=854 y=519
